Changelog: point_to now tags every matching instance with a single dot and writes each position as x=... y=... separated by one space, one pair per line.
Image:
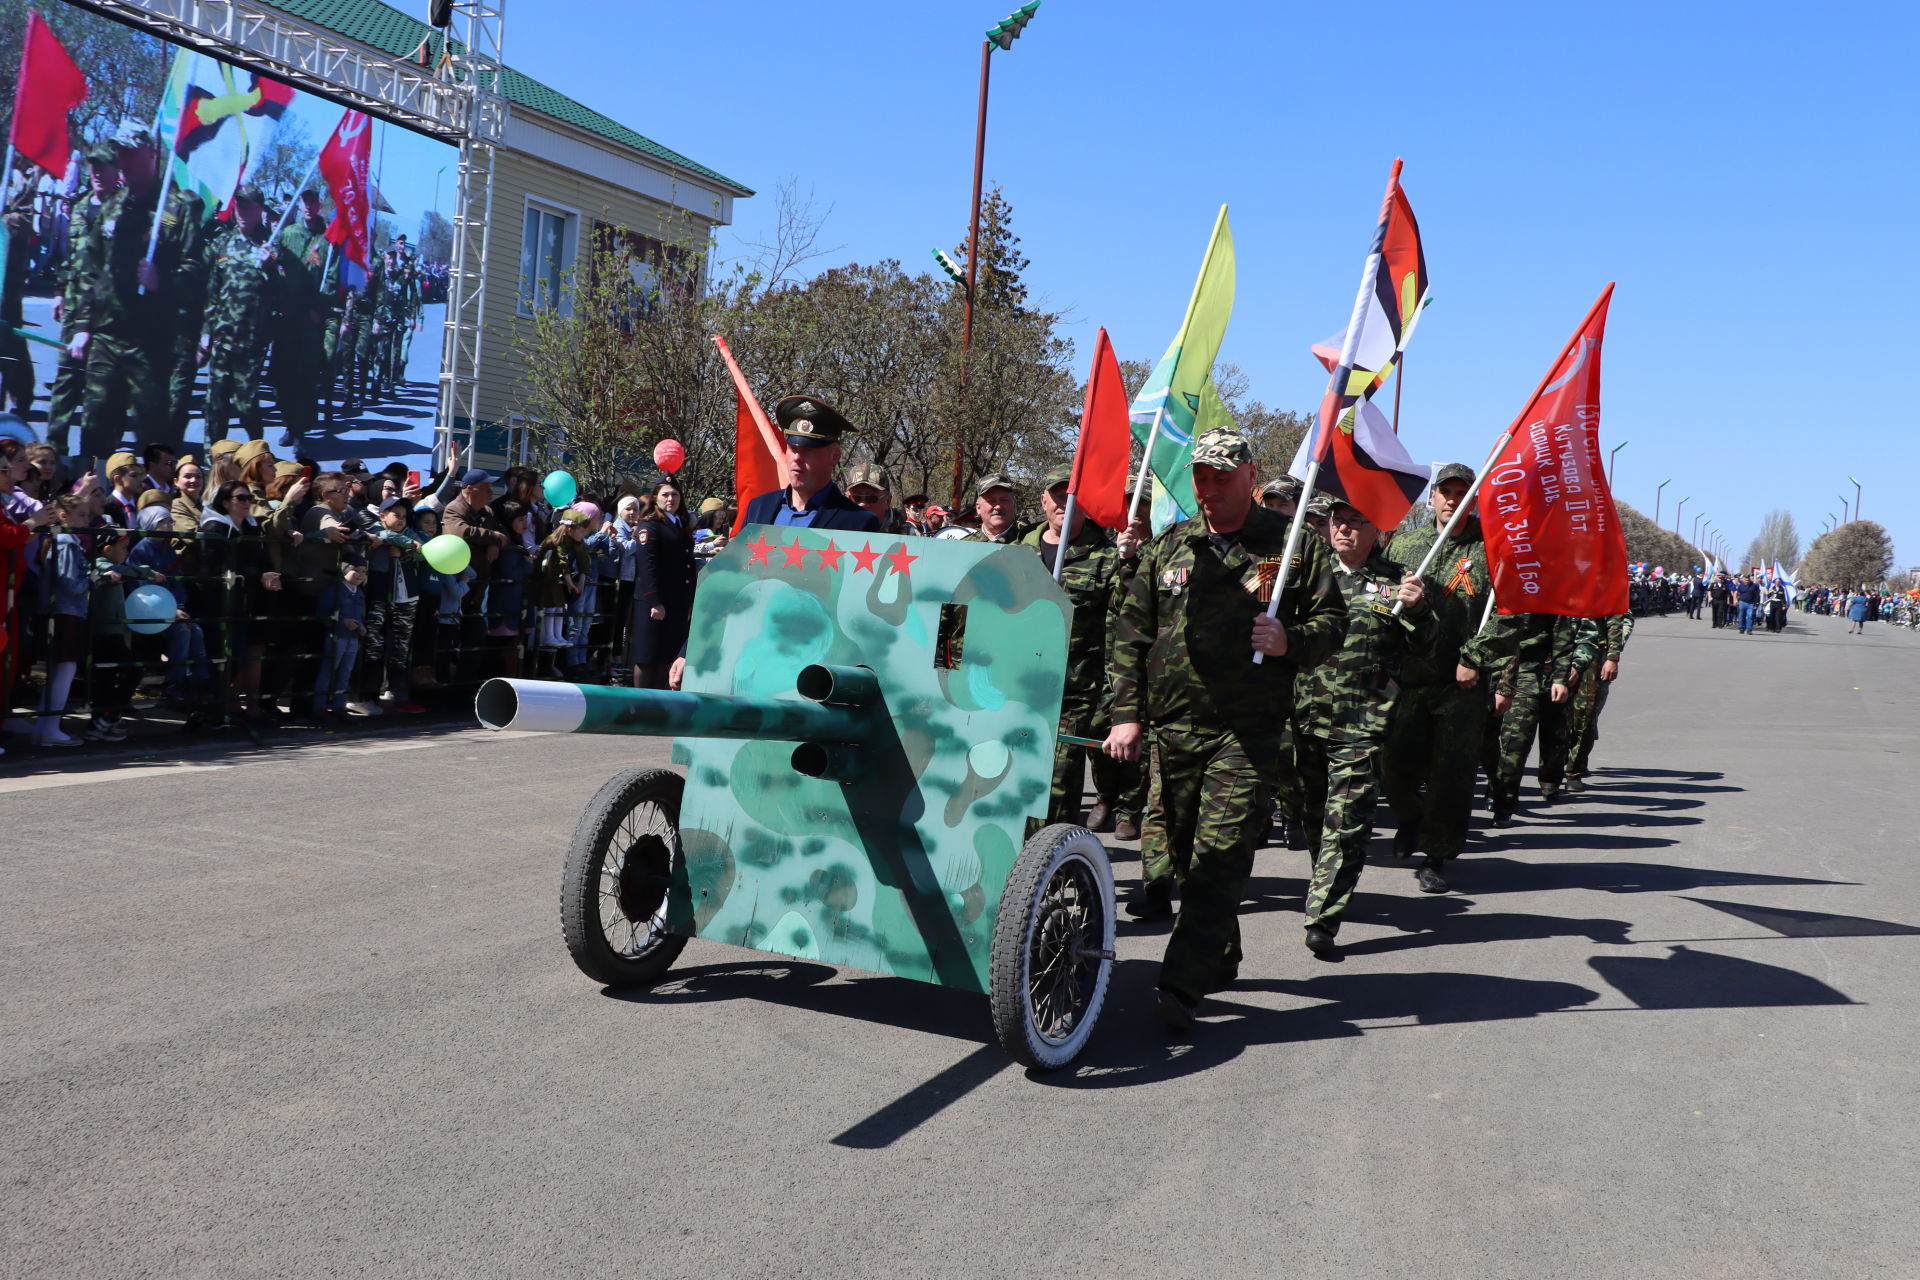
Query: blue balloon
x=560 y=488
x=150 y=609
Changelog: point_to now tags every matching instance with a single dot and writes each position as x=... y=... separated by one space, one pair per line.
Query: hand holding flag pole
x=1493 y=454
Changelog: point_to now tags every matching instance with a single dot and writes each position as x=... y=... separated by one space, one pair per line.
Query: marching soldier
x=1192 y=620
x=240 y=298
x=186 y=221
x=1341 y=712
x=1088 y=578
x=997 y=503
x=1130 y=803
x=1435 y=733
x=1531 y=692
x=301 y=320
x=1591 y=697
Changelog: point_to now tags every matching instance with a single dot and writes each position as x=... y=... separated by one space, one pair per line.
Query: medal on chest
x=1173 y=581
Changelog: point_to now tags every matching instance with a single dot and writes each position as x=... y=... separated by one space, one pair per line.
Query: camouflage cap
x=1285 y=487
x=1222 y=448
x=132 y=134
x=251 y=193
x=998 y=480
x=1057 y=476
x=1322 y=505
x=1453 y=471
x=871 y=474
x=102 y=153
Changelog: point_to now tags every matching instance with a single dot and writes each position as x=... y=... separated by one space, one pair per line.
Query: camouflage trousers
x=1588 y=703
x=299 y=354
x=183 y=373
x=1431 y=755
x=116 y=394
x=1339 y=782
x=1208 y=810
x=1070 y=765
x=233 y=387
x=1533 y=711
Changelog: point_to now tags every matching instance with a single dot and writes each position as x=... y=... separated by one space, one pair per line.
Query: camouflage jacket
x=1183 y=655
x=1091 y=573
x=192 y=260
x=309 y=271
x=100 y=289
x=1458 y=585
x=1615 y=631
x=1550 y=644
x=1348 y=697
x=241 y=290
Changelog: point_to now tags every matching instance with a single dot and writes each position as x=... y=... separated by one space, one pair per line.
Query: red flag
x=50 y=86
x=343 y=163
x=756 y=451
x=1099 y=484
x=1554 y=540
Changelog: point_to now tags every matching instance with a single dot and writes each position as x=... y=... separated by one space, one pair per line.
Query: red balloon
x=668 y=455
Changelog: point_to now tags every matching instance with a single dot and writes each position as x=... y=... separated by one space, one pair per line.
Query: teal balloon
x=560 y=487
x=447 y=554
x=150 y=609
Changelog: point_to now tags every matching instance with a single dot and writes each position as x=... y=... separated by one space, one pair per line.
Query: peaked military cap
x=1222 y=449
x=809 y=421
x=1453 y=471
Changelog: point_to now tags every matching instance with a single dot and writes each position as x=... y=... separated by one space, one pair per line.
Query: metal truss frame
x=477 y=68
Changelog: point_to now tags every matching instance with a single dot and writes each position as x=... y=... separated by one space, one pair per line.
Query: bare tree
x=1778 y=540
x=1858 y=553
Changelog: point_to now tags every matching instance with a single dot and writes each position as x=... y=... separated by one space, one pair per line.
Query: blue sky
x=1745 y=173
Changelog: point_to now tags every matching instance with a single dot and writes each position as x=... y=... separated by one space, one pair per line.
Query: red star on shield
x=830 y=557
x=863 y=559
x=759 y=547
x=796 y=555
x=899 y=559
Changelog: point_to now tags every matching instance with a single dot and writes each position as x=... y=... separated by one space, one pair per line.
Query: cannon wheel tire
x=1052 y=946
x=613 y=894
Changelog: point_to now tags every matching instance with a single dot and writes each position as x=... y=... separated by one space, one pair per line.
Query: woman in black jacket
x=663 y=577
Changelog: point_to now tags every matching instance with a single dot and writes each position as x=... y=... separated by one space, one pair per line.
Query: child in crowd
x=66 y=588
x=189 y=677
x=560 y=576
x=598 y=541
x=342 y=608
x=116 y=673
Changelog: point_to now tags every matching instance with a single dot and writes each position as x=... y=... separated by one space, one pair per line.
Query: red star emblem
x=863 y=559
x=830 y=557
x=759 y=547
x=899 y=558
x=796 y=555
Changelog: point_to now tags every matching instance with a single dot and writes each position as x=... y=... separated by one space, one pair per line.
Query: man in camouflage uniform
x=186 y=222
x=870 y=487
x=1434 y=735
x=403 y=282
x=1193 y=619
x=1340 y=715
x=240 y=312
x=1531 y=692
x=301 y=319
x=997 y=502
x=1591 y=697
x=1282 y=496
x=1130 y=803
x=1088 y=577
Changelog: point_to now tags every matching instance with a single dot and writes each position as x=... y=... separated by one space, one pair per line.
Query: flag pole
x=1066 y=533
x=768 y=436
x=287 y=213
x=1493 y=454
x=1146 y=461
x=1349 y=343
x=160 y=205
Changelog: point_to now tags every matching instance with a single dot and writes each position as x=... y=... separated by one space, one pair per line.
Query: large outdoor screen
x=291 y=288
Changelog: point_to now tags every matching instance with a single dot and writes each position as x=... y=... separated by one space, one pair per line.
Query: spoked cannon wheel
x=613 y=895
x=1053 y=946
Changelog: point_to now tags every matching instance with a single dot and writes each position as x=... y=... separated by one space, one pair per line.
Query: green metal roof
x=385 y=28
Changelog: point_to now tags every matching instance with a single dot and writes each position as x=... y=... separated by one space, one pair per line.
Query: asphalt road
x=305 y=1012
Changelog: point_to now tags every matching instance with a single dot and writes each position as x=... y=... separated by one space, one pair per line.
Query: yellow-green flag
x=1179 y=400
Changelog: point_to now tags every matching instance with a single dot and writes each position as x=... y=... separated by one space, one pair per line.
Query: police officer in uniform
x=1193 y=618
x=810 y=499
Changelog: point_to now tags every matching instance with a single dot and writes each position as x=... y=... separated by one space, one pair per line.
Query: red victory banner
x=1100 y=460
x=1554 y=540
x=343 y=163
x=49 y=87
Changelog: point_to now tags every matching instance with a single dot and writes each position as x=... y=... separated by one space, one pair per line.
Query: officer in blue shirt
x=811 y=500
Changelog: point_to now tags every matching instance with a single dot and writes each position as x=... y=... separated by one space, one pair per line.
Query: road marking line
x=116 y=774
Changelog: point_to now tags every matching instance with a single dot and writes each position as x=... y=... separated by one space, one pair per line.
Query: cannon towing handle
x=834 y=710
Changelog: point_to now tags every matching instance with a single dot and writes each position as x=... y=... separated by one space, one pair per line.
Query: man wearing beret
x=1194 y=616
x=811 y=500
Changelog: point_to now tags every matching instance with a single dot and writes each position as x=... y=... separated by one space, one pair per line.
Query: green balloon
x=447 y=554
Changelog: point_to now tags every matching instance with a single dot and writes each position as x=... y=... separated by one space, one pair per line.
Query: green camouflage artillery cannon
x=867 y=726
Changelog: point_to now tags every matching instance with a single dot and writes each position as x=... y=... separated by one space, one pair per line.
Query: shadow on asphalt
x=1785 y=922
x=1479 y=874
x=1689 y=979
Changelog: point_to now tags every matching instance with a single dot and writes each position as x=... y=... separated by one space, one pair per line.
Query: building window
x=546 y=254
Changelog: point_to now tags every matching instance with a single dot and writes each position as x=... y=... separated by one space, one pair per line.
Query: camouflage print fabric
x=1340 y=780
x=1435 y=733
x=1128 y=778
x=1088 y=579
x=240 y=306
x=1210 y=810
x=112 y=394
x=186 y=224
x=1183 y=665
x=124 y=394
x=898 y=869
x=301 y=320
x=1591 y=698
x=1548 y=648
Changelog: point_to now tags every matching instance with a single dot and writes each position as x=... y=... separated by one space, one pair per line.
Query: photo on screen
x=291 y=287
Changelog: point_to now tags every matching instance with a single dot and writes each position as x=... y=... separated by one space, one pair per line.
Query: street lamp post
x=1617 y=448
x=1856 y=498
x=1843 y=508
x=1656 y=500
x=1002 y=37
x=1680 y=511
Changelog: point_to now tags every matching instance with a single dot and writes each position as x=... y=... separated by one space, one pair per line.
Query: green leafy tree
x=1858 y=553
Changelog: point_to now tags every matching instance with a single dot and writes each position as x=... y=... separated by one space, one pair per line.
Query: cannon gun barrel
x=545 y=706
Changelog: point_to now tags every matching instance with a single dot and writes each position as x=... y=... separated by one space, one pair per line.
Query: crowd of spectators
x=301 y=594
